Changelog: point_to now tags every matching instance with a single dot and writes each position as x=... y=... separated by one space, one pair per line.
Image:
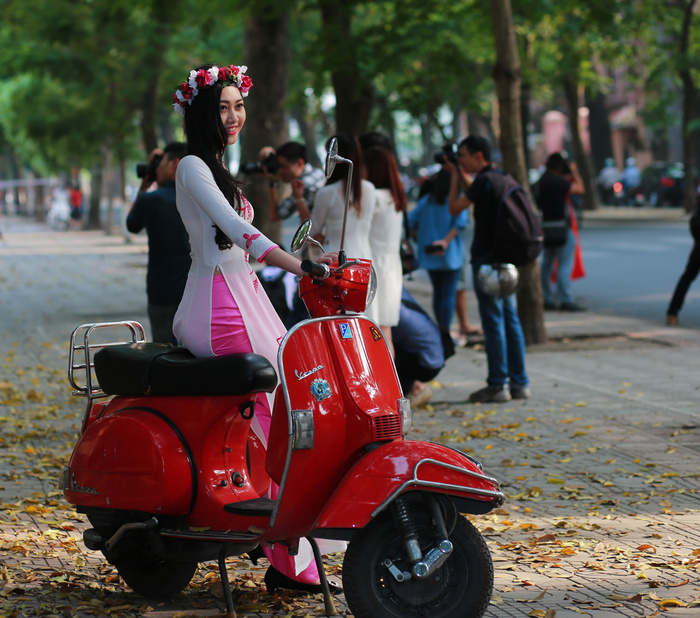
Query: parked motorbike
x=169 y=473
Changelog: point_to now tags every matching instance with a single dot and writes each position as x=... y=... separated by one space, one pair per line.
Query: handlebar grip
x=316 y=270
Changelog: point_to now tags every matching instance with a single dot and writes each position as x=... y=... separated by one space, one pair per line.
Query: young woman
x=439 y=245
x=385 y=236
x=329 y=205
x=224 y=308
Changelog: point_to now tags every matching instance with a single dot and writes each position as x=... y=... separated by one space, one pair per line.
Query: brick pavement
x=600 y=466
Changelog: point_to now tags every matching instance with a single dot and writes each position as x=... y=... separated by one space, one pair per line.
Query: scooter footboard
x=403 y=466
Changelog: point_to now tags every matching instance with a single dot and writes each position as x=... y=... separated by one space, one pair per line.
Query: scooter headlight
x=406 y=415
x=372 y=287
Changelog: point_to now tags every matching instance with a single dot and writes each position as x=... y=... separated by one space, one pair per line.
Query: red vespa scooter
x=169 y=473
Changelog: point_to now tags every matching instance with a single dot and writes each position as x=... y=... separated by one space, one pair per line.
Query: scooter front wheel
x=376 y=559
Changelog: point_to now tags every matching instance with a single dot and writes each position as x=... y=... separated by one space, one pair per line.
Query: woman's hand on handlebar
x=329 y=257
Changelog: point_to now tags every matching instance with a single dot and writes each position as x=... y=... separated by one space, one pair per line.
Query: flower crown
x=203 y=78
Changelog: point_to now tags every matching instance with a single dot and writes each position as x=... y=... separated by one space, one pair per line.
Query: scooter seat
x=156 y=369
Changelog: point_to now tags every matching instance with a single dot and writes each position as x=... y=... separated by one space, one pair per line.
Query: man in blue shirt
x=168 y=242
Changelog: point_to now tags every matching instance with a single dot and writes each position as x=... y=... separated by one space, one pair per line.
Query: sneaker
x=571 y=307
x=520 y=392
x=550 y=306
x=671 y=320
x=491 y=393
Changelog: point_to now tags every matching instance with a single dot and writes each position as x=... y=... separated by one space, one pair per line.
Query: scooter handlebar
x=315 y=269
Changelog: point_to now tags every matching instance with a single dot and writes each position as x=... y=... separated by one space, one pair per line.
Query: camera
x=449 y=152
x=144 y=170
x=268 y=164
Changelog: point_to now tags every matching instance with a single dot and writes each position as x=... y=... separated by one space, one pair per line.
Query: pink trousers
x=229 y=336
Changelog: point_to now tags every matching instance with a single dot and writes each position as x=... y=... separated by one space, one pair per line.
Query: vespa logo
x=306 y=374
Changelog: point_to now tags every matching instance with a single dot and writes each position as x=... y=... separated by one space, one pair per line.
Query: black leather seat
x=137 y=369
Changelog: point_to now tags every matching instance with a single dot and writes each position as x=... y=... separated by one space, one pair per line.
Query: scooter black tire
x=153 y=578
x=460 y=588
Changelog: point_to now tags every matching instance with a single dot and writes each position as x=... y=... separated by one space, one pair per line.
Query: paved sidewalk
x=600 y=466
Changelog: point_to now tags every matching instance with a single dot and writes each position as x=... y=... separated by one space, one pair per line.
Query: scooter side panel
x=392 y=468
x=132 y=460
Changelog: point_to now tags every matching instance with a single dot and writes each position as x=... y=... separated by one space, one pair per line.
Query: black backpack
x=277 y=293
x=518 y=237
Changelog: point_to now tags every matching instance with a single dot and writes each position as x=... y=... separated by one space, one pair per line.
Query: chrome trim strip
x=288 y=406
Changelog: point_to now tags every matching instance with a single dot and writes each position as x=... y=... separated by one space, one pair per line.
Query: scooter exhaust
x=137 y=525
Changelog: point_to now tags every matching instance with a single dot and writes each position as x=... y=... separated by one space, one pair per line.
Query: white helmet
x=498 y=279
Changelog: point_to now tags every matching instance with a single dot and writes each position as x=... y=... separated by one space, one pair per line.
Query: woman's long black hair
x=206 y=138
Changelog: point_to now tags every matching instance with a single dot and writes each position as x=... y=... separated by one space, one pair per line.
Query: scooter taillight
x=346 y=289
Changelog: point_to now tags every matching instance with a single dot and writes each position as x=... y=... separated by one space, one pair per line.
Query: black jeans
x=692 y=269
x=161 y=317
x=409 y=369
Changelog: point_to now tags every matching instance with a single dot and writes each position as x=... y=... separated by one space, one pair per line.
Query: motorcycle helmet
x=498 y=279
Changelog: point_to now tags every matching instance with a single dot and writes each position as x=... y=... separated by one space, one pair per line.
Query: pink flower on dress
x=249 y=239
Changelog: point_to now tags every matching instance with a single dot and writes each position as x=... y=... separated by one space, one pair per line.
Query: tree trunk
x=109 y=182
x=96 y=178
x=163 y=14
x=689 y=92
x=426 y=138
x=585 y=168
x=353 y=92
x=599 y=128
x=308 y=135
x=507 y=77
x=267 y=49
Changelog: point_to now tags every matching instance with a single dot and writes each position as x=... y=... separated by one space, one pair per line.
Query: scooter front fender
x=402 y=466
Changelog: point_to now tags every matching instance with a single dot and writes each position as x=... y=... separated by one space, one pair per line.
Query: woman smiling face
x=233 y=113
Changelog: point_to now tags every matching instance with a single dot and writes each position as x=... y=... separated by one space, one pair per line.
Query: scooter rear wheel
x=460 y=588
x=153 y=577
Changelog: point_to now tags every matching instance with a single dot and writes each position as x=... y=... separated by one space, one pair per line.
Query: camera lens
x=250 y=168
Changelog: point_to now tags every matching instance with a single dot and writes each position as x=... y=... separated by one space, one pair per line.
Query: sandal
x=471 y=333
x=274 y=580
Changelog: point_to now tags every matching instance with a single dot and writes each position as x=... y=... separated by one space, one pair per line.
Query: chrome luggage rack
x=82 y=352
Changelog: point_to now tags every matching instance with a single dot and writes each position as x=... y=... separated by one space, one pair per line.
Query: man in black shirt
x=504 y=341
x=168 y=242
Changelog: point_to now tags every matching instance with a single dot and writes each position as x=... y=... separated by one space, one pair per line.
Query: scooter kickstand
x=329 y=606
x=230 y=611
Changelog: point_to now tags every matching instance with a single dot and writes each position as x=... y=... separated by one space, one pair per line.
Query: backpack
x=518 y=237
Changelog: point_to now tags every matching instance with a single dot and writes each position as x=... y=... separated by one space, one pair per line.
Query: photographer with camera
x=467 y=331
x=289 y=164
x=168 y=242
x=439 y=238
